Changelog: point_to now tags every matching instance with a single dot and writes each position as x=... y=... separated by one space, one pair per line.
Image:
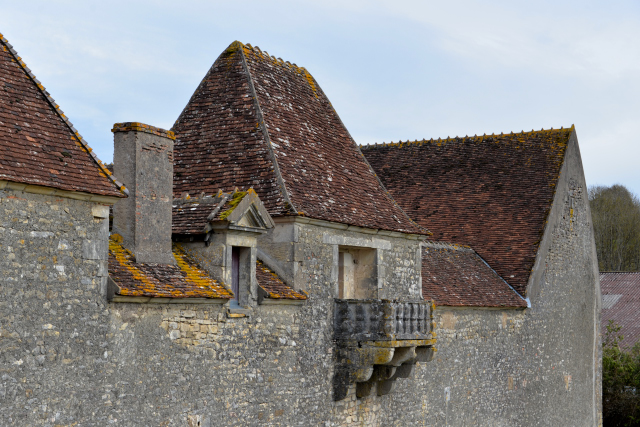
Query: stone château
x=261 y=268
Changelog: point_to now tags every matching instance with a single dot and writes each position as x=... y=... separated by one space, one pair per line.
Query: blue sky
x=393 y=70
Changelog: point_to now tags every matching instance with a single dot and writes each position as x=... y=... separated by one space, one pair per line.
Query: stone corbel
x=376 y=365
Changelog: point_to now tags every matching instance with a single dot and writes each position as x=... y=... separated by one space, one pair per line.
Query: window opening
x=235 y=275
x=357 y=273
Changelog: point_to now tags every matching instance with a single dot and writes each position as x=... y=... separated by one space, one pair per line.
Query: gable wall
x=540 y=366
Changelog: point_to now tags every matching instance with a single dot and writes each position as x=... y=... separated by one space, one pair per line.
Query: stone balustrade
x=382 y=320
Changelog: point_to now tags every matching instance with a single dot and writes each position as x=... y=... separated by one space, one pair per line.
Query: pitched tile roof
x=621 y=303
x=257 y=121
x=184 y=280
x=454 y=275
x=190 y=216
x=38 y=144
x=274 y=286
x=492 y=192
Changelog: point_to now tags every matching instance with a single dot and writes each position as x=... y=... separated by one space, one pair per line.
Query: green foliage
x=620 y=380
x=616 y=223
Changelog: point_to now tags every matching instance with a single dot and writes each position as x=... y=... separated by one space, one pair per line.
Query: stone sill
x=158 y=300
x=238 y=312
x=274 y=301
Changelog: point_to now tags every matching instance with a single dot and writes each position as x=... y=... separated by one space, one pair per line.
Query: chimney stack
x=143 y=160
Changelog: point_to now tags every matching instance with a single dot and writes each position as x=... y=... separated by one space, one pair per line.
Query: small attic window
x=240 y=276
x=357 y=273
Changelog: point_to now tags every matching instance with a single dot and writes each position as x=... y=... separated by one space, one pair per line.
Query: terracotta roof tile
x=38 y=144
x=190 y=216
x=493 y=193
x=621 y=303
x=274 y=286
x=184 y=280
x=257 y=121
x=454 y=275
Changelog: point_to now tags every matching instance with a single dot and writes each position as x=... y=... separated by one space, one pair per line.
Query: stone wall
x=53 y=318
x=68 y=357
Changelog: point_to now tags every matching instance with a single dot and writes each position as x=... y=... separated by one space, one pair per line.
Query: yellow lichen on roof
x=233 y=203
x=274 y=286
x=186 y=280
x=248 y=50
x=195 y=275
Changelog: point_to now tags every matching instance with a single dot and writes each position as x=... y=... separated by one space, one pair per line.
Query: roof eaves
x=64 y=118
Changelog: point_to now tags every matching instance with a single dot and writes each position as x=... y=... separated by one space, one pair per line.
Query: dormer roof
x=258 y=121
x=38 y=144
x=239 y=209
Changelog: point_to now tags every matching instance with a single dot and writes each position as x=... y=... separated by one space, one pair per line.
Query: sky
x=393 y=70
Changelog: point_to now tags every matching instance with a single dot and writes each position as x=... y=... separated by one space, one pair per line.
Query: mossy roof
x=184 y=280
x=273 y=284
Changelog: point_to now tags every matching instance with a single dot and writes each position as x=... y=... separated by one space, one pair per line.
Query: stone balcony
x=379 y=341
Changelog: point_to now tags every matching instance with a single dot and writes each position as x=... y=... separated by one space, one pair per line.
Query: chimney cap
x=141 y=127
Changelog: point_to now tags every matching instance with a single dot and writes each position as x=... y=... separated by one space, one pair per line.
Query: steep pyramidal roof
x=38 y=145
x=257 y=121
x=493 y=193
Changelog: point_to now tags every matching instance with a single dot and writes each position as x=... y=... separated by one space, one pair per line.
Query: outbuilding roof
x=621 y=303
x=186 y=279
x=454 y=275
x=491 y=192
x=38 y=144
x=257 y=121
x=273 y=285
x=183 y=280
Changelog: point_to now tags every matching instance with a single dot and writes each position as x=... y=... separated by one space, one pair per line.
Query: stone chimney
x=143 y=160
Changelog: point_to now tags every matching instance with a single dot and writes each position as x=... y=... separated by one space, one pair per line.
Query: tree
x=620 y=380
x=616 y=223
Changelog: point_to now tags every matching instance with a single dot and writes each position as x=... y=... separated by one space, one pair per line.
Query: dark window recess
x=235 y=274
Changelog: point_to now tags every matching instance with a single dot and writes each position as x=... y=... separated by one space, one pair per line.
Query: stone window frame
x=338 y=241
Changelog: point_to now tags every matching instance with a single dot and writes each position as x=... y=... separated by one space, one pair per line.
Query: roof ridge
x=204 y=79
x=247 y=48
x=60 y=114
x=400 y=143
x=619 y=272
x=446 y=245
x=280 y=62
x=264 y=130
